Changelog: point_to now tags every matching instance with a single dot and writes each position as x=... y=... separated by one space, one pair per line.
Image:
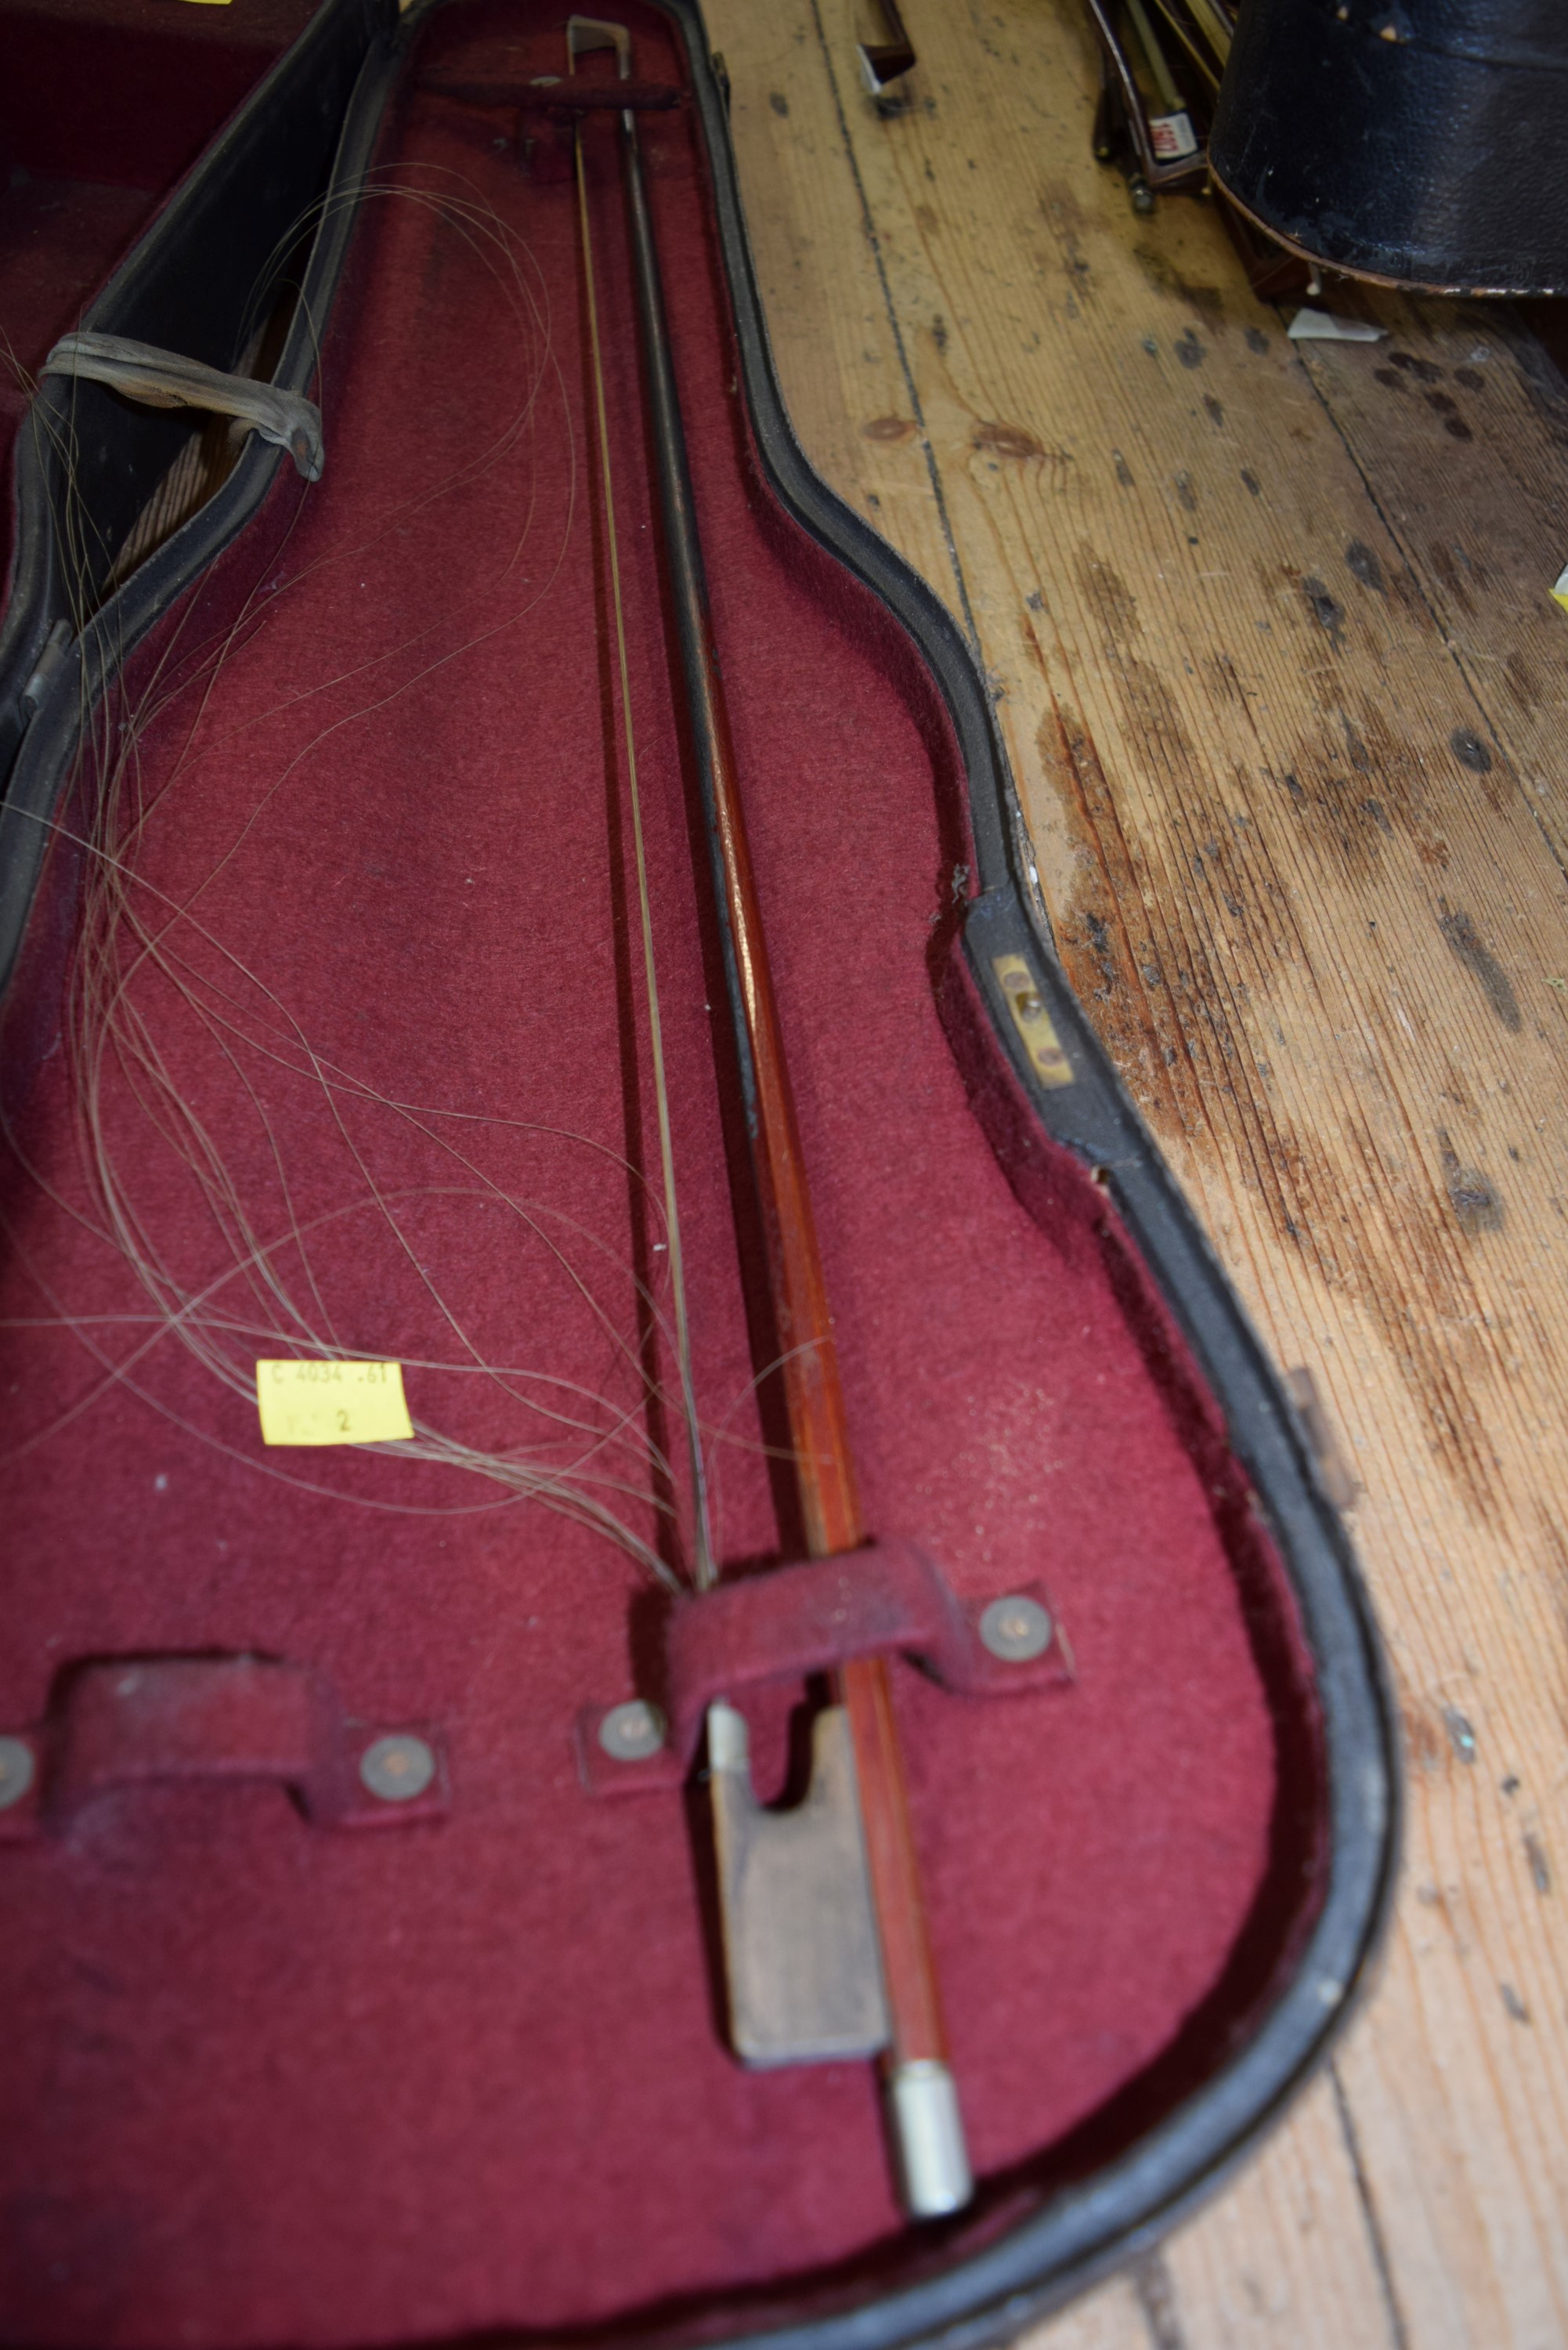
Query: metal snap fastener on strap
x=632 y=1731
x=397 y=1768
x=1016 y=1630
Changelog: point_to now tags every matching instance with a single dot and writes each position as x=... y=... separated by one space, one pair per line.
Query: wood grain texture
x=1284 y=691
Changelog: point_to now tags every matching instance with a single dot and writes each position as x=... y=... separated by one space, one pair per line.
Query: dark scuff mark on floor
x=1470 y=751
x=1329 y=615
x=1446 y=561
x=1208 y=301
x=1471 y=1195
x=1482 y=964
x=1453 y=422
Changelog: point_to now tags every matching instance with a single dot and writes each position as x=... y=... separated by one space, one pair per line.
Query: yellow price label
x=324 y=1402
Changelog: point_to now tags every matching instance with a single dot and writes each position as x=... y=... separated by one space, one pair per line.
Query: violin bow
x=920 y=2099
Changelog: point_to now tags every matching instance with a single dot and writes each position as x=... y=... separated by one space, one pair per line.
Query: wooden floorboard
x=1284 y=691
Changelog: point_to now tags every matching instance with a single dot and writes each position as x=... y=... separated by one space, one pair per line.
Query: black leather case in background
x=1424 y=143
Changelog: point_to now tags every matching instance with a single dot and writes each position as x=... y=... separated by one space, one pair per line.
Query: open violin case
x=357 y=1989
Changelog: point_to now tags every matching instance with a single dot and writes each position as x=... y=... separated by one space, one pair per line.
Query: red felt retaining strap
x=889 y=1598
x=141 y=1721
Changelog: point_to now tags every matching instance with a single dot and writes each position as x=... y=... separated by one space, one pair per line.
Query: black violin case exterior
x=359 y=1991
x=1416 y=142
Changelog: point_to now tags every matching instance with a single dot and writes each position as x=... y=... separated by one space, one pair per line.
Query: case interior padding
x=272 y=2082
x=128 y=91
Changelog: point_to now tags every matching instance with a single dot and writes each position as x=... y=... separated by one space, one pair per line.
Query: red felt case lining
x=273 y=2080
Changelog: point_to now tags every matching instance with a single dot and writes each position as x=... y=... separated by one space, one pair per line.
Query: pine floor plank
x=1288 y=2259
x=1283 y=692
x=1114 y=2318
x=1460 y=430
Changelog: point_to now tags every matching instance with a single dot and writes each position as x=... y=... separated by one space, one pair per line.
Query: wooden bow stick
x=921 y=2101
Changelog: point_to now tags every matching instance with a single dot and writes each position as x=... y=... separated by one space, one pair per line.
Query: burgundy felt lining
x=130 y=91
x=270 y=2081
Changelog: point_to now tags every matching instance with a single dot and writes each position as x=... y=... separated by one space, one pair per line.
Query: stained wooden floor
x=1285 y=694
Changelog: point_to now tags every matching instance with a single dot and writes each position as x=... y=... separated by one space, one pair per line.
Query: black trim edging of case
x=1089 y=2229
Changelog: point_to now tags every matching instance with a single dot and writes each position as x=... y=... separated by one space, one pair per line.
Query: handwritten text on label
x=331 y=1403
